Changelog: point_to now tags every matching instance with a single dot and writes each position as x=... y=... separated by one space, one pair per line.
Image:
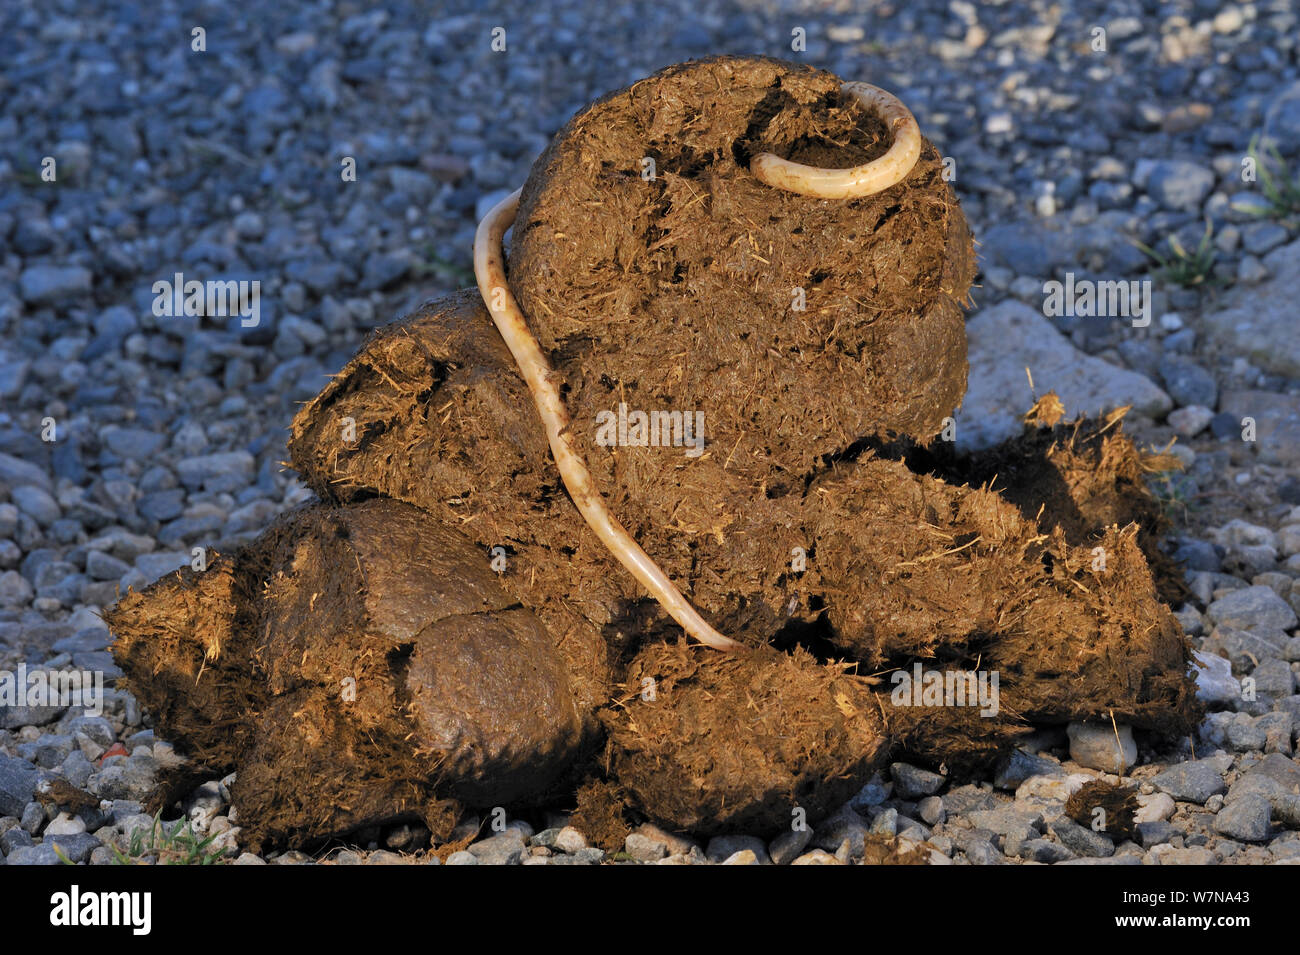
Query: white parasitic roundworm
x=490 y=272
x=859 y=181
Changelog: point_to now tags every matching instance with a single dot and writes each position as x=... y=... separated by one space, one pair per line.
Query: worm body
x=490 y=272
x=859 y=181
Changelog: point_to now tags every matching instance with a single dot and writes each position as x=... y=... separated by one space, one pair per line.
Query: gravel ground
x=168 y=432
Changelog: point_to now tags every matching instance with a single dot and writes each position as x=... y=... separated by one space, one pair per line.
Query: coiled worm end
x=857 y=181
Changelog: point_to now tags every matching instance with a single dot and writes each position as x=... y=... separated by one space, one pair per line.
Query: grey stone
x=42 y=854
x=8 y=520
x=886 y=822
x=569 y=840
x=17 y=785
x=1080 y=839
x=721 y=848
x=1179 y=184
x=383 y=271
x=1273 y=679
x=845 y=825
x=1254 y=609
x=1255 y=784
x=51 y=749
x=1277 y=423
x=292 y=857
x=1107 y=747
x=1189 y=384
x=1194 y=781
x=1245 y=819
x=37 y=503
x=1192 y=855
x=1197 y=554
x=162 y=505
x=1286 y=809
x=1282 y=121
x=872 y=794
x=1015 y=825
x=102 y=566
x=483 y=205
x=1278 y=727
x=1214 y=680
x=14 y=591
x=1279 y=768
x=1261 y=237
x=589 y=856
x=33 y=818
x=931 y=810
x=1028 y=252
x=1251 y=561
x=1243 y=735
x=1006 y=338
x=1154 y=833
x=34 y=237
x=50 y=284
x=224 y=471
x=156 y=565
x=133 y=443
x=13 y=374
x=545 y=838
x=76 y=846
x=128 y=779
x=1190 y=421
x=644 y=849
x=505 y=848
x=788 y=846
x=1044 y=850
x=1111 y=860
x=1257 y=321
x=15 y=838
x=982 y=852
x=968 y=798
x=912 y=782
x=77 y=769
x=86 y=638
x=676 y=844
x=1243 y=649
x=13 y=717
x=16 y=472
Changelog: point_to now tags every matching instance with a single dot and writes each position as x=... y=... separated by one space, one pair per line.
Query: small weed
x=1170 y=490
x=1187 y=268
x=1279 y=186
x=179 y=846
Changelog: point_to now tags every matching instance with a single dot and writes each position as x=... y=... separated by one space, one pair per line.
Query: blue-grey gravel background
x=225 y=164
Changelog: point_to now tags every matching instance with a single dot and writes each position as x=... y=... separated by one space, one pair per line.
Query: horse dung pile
x=756 y=380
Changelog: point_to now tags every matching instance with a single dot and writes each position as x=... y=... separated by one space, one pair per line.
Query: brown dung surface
x=1118 y=805
x=677 y=293
x=738 y=742
x=820 y=525
x=354 y=666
